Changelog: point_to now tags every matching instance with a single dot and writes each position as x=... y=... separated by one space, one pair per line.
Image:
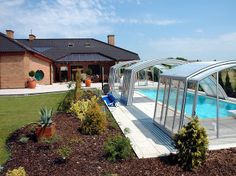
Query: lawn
x=18 y=111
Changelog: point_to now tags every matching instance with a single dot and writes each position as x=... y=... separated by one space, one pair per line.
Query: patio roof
x=197 y=71
x=84 y=57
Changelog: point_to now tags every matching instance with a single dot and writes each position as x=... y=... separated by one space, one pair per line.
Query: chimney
x=10 y=34
x=32 y=37
x=111 y=39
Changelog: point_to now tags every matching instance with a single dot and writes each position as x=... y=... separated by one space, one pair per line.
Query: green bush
x=32 y=73
x=80 y=107
x=191 y=143
x=95 y=121
x=66 y=102
x=117 y=148
x=64 y=152
x=89 y=71
x=16 y=172
x=106 y=88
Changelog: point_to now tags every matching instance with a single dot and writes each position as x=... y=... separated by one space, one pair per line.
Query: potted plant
x=88 y=80
x=46 y=127
x=31 y=82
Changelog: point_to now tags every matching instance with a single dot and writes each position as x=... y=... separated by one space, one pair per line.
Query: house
x=56 y=59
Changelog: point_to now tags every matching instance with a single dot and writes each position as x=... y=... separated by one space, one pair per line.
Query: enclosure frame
x=189 y=73
x=130 y=74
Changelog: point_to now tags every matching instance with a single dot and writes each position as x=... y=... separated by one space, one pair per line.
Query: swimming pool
x=206 y=106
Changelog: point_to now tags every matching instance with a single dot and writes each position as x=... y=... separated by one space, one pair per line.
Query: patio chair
x=110 y=100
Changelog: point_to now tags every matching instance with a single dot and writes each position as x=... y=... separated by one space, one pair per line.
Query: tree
x=220 y=80
x=181 y=58
x=78 y=90
x=228 y=86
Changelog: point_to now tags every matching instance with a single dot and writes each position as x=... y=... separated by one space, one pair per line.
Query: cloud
x=221 y=47
x=67 y=18
x=228 y=37
x=55 y=18
x=199 y=30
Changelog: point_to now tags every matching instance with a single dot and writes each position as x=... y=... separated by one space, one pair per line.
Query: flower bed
x=85 y=155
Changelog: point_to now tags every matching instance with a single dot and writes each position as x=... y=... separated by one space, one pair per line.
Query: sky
x=202 y=29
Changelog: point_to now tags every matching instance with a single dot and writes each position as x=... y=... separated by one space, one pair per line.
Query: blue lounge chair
x=110 y=100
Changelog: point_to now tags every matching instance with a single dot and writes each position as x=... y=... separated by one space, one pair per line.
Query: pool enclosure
x=193 y=89
x=116 y=75
x=142 y=74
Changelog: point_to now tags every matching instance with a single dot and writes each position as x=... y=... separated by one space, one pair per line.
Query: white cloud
x=59 y=18
x=199 y=30
x=228 y=37
x=66 y=18
x=221 y=47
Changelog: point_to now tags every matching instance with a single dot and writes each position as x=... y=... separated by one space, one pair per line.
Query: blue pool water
x=206 y=106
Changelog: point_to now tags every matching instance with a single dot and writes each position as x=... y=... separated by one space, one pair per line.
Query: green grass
x=18 y=111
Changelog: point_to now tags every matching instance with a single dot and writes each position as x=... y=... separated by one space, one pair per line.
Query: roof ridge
x=13 y=41
x=114 y=46
x=84 y=39
x=59 y=39
x=27 y=48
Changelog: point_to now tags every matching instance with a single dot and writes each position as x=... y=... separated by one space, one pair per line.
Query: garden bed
x=87 y=157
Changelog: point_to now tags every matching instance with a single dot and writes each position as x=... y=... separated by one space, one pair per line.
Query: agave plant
x=45 y=116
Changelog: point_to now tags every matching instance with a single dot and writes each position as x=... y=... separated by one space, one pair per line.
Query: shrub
x=106 y=88
x=78 y=90
x=83 y=76
x=24 y=139
x=66 y=102
x=16 y=172
x=95 y=121
x=192 y=143
x=79 y=108
x=32 y=73
x=64 y=152
x=117 y=148
x=89 y=71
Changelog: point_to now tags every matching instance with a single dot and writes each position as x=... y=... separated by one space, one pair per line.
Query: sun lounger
x=110 y=100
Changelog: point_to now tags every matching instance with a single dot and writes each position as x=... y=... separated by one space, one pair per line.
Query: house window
x=64 y=73
x=70 y=44
x=39 y=75
x=87 y=44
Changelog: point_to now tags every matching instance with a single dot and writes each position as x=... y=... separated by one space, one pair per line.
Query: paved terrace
x=55 y=87
x=149 y=140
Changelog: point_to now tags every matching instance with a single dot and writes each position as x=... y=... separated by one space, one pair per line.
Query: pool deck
x=149 y=140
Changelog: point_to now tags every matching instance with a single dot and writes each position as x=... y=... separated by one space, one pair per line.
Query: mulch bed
x=39 y=158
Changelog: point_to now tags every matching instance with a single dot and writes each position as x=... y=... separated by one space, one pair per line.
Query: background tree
x=221 y=81
x=228 y=86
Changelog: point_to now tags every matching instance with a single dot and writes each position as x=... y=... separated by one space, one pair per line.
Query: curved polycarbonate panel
x=133 y=73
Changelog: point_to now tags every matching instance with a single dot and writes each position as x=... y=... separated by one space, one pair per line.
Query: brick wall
x=11 y=71
x=14 y=70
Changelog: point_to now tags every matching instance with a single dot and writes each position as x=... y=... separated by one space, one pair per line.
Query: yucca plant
x=45 y=116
